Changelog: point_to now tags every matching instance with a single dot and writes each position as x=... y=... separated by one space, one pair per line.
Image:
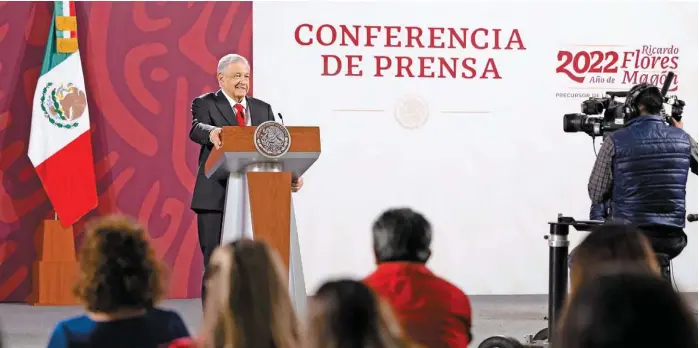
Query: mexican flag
x=59 y=143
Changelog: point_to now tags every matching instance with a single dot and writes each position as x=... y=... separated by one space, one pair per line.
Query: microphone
x=692 y=217
x=668 y=81
x=281 y=118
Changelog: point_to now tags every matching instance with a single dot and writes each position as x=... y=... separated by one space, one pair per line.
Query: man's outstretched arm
x=201 y=123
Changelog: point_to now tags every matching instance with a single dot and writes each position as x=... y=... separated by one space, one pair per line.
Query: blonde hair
x=248 y=303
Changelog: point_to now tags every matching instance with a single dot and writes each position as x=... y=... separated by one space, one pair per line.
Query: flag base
x=56 y=269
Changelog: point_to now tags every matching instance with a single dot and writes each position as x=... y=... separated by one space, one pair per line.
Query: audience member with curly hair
x=616 y=288
x=348 y=314
x=119 y=283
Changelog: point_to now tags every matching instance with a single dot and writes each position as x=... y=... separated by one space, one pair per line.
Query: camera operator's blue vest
x=650 y=169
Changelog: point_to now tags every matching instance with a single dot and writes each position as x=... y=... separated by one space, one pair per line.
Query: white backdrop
x=488 y=163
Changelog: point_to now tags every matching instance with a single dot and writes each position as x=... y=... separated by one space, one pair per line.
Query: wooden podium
x=258 y=195
x=56 y=268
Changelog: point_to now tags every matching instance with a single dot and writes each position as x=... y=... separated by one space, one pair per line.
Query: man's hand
x=679 y=124
x=215 y=138
x=296 y=184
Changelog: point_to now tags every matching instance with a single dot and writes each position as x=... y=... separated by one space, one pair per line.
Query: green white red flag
x=60 y=146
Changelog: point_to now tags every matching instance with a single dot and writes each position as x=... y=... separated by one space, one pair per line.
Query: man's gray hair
x=229 y=59
x=402 y=234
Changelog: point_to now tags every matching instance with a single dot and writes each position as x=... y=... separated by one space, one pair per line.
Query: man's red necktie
x=240 y=114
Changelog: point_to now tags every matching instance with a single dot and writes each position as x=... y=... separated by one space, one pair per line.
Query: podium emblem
x=272 y=139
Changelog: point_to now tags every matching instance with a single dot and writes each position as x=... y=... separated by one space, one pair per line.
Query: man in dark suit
x=230 y=106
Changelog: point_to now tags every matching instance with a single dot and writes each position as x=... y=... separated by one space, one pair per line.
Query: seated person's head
x=611 y=244
x=346 y=313
x=118 y=267
x=247 y=302
x=402 y=235
x=626 y=308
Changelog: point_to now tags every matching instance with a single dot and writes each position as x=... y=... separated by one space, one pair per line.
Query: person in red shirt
x=433 y=312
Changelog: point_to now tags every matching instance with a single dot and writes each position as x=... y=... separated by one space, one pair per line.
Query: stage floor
x=25 y=326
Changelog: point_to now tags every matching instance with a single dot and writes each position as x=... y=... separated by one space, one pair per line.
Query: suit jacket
x=210 y=111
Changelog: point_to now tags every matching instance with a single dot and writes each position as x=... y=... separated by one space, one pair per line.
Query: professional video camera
x=613 y=112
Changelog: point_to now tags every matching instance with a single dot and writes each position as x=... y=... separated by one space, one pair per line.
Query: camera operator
x=640 y=174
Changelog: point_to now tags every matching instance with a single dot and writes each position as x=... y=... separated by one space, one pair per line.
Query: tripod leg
x=558 y=272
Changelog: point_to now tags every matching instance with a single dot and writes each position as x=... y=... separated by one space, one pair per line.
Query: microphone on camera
x=668 y=82
x=280 y=117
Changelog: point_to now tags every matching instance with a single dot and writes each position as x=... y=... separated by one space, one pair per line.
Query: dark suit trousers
x=209 y=225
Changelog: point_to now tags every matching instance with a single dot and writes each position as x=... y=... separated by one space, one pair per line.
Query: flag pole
x=55 y=251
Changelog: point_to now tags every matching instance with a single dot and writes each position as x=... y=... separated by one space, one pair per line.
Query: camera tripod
x=558 y=282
